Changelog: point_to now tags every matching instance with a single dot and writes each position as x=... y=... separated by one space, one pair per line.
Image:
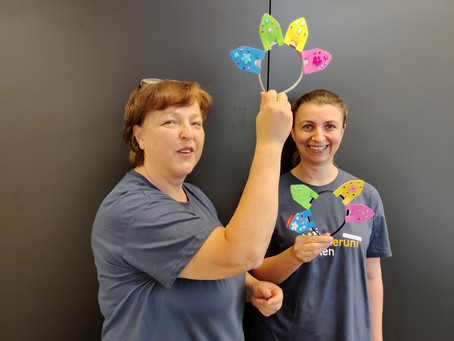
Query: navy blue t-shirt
x=142 y=239
x=327 y=298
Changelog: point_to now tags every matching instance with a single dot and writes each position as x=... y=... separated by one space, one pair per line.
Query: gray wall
x=392 y=64
x=67 y=68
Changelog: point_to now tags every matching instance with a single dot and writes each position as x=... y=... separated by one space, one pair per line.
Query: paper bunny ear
x=247 y=58
x=303 y=195
x=296 y=35
x=349 y=190
x=357 y=213
x=315 y=60
x=270 y=32
x=300 y=222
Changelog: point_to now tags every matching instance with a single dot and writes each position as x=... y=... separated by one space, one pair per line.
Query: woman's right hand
x=306 y=248
x=275 y=118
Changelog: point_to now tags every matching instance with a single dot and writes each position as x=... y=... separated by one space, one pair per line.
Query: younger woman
x=329 y=237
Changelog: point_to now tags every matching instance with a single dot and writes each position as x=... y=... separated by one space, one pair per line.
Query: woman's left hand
x=266 y=297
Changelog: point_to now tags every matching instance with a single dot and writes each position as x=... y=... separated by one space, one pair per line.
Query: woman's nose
x=318 y=134
x=186 y=131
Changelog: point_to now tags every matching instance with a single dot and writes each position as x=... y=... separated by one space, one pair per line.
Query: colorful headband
x=304 y=196
x=249 y=59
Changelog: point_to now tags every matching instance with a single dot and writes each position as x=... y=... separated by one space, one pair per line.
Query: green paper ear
x=303 y=195
x=270 y=32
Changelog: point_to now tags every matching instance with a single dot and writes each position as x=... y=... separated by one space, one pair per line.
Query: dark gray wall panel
x=67 y=69
x=392 y=64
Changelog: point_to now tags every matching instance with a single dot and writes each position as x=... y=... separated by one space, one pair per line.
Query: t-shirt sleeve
x=379 y=245
x=163 y=238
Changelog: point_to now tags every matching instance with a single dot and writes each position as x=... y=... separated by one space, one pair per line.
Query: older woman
x=167 y=268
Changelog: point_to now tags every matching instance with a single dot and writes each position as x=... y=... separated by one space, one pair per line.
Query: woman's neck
x=316 y=175
x=173 y=188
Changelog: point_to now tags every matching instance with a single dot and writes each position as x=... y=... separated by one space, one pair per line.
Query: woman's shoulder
x=196 y=193
x=132 y=192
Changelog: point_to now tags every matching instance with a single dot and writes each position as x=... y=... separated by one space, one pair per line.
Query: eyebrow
x=176 y=113
x=309 y=121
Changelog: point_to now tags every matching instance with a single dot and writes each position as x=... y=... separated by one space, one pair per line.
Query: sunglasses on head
x=148 y=81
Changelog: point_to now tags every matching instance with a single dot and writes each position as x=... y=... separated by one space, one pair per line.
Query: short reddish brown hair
x=159 y=96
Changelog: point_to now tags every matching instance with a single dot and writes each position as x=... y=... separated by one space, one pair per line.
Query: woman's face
x=317 y=132
x=172 y=140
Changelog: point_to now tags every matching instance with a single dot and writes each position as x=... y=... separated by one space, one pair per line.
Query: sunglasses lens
x=149 y=81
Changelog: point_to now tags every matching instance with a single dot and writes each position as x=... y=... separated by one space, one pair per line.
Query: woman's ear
x=137 y=132
x=292 y=132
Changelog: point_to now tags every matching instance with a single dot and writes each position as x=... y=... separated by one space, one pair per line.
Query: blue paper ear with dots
x=300 y=222
x=247 y=58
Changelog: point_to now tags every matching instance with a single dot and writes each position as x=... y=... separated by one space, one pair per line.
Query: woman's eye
x=197 y=124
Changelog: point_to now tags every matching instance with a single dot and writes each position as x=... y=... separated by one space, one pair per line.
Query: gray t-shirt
x=327 y=298
x=141 y=241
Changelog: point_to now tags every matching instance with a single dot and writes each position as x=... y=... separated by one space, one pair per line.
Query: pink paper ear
x=315 y=60
x=357 y=213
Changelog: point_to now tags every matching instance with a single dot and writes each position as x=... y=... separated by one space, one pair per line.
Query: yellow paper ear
x=349 y=190
x=296 y=35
